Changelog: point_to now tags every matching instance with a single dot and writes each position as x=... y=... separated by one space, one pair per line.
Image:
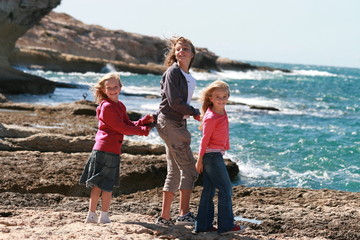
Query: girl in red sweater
x=214 y=143
x=101 y=172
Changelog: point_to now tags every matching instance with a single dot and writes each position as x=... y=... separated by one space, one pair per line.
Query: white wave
x=308 y=175
x=142 y=90
x=236 y=75
x=149 y=106
x=312 y=73
x=325 y=113
x=250 y=170
x=152 y=138
x=257 y=101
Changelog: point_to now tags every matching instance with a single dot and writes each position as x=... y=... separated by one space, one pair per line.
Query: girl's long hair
x=170 y=55
x=97 y=90
x=207 y=93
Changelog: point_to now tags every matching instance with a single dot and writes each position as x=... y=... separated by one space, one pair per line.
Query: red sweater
x=215 y=132
x=113 y=124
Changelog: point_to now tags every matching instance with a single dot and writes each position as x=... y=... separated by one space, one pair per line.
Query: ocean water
x=312 y=142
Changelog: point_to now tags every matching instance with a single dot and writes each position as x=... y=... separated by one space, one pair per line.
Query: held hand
x=197 y=117
x=199 y=167
x=147 y=119
x=146 y=130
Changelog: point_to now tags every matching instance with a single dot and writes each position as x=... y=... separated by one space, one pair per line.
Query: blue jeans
x=215 y=176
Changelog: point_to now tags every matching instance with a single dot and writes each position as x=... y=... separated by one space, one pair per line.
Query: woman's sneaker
x=235 y=229
x=163 y=221
x=187 y=219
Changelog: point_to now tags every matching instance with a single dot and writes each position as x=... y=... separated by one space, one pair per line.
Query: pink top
x=113 y=124
x=215 y=132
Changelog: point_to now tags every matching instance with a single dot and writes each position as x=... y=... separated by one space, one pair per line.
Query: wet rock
x=47 y=183
x=17 y=17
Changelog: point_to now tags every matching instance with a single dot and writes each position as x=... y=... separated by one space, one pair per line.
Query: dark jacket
x=174 y=94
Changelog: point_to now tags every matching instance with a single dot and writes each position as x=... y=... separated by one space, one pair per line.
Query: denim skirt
x=101 y=170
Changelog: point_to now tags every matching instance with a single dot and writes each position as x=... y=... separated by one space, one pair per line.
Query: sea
x=312 y=142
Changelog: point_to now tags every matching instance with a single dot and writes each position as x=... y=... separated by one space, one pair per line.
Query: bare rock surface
x=40 y=197
x=16 y=17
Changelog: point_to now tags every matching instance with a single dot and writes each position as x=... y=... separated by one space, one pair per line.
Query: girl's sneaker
x=187 y=219
x=235 y=229
x=91 y=217
x=104 y=217
x=163 y=221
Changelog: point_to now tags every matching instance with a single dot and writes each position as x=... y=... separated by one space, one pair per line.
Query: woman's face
x=183 y=53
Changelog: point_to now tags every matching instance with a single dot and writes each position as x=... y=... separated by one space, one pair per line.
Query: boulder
x=13 y=81
x=3 y=98
x=16 y=17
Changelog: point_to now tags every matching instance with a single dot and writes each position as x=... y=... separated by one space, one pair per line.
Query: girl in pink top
x=101 y=172
x=214 y=143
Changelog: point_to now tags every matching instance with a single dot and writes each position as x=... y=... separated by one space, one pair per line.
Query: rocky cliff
x=61 y=43
x=16 y=17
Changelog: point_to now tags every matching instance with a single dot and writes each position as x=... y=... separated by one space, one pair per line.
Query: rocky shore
x=43 y=150
x=33 y=37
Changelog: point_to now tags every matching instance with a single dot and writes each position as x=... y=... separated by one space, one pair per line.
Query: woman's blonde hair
x=208 y=91
x=99 y=86
x=170 y=55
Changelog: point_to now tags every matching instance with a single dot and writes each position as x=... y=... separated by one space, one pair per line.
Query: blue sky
x=320 y=32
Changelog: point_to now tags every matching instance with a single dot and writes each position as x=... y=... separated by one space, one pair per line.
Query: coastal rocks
x=52 y=60
x=49 y=142
x=3 y=98
x=286 y=213
x=16 y=17
x=40 y=194
x=16 y=131
x=228 y=64
x=57 y=144
x=59 y=39
x=13 y=81
x=61 y=43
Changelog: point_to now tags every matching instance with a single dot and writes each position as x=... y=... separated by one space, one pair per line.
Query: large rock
x=55 y=161
x=13 y=81
x=59 y=172
x=16 y=17
x=59 y=36
x=61 y=43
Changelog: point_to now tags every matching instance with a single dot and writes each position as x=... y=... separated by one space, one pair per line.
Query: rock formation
x=42 y=154
x=42 y=144
x=16 y=17
x=59 y=40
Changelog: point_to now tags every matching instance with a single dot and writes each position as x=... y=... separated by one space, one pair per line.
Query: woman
x=177 y=88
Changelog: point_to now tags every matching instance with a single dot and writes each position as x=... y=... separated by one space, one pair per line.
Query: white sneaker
x=187 y=219
x=104 y=217
x=91 y=217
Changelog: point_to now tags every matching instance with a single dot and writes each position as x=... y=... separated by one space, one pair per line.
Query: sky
x=313 y=32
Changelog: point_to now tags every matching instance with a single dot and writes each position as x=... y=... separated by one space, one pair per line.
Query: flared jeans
x=215 y=176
